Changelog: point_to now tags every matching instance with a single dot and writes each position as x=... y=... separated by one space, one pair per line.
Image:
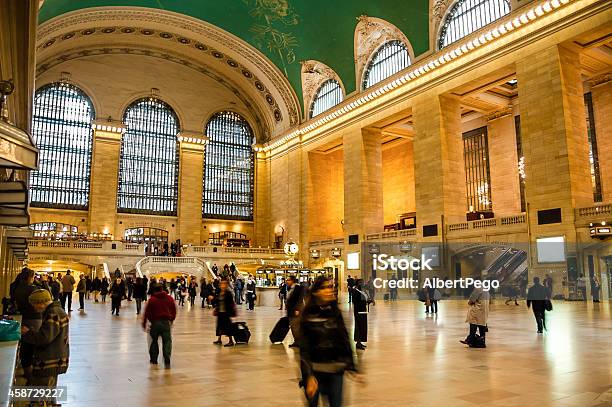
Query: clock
x=291 y=248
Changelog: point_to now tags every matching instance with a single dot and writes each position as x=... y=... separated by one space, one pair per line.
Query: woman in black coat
x=104 y=289
x=225 y=309
x=140 y=294
x=325 y=350
x=204 y=291
x=117 y=292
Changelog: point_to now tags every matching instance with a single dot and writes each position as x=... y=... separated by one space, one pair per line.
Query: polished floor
x=412 y=360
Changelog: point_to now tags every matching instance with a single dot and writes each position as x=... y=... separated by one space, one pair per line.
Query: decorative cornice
x=499 y=114
x=50 y=30
x=466 y=46
x=600 y=79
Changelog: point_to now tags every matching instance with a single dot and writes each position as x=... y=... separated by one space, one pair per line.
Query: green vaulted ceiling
x=288 y=31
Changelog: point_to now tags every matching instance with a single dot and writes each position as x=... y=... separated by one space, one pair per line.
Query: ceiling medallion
x=146 y=31
x=128 y=30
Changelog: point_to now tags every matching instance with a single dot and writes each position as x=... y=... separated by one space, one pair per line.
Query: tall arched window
x=148 y=170
x=328 y=96
x=228 y=173
x=467 y=16
x=62 y=131
x=390 y=58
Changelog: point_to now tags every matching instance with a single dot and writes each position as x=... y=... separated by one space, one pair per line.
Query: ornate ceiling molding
x=72 y=54
x=314 y=74
x=370 y=34
x=105 y=19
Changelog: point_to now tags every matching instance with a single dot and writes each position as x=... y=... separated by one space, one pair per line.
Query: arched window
x=328 y=96
x=62 y=131
x=228 y=168
x=467 y=16
x=390 y=58
x=148 y=169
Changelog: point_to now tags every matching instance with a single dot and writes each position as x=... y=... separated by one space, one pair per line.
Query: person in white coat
x=477 y=316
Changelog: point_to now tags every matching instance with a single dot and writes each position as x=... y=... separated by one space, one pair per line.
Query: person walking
x=130 y=288
x=182 y=292
x=204 y=291
x=82 y=290
x=67 y=288
x=360 y=313
x=117 y=292
x=140 y=294
x=251 y=295
x=87 y=286
x=350 y=283
x=30 y=318
x=104 y=289
x=548 y=284
x=95 y=288
x=477 y=316
x=325 y=350
x=225 y=310
x=537 y=296
x=193 y=292
x=56 y=288
x=295 y=305
x=238 y=287
x=282 y=294
x=50 y=341
x=595 y=289
x=160 y=312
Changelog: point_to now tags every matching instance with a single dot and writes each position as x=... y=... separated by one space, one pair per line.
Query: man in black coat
x=350 y=283
x=360 y=312
x=295 y=304
x=537 y=296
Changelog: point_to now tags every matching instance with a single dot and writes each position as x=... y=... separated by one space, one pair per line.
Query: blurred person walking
x=225 y=310
x=50 y=341
x=295 y=305
x=140 y=294
x=477 y=317
x=360 y=312
x=325 y=350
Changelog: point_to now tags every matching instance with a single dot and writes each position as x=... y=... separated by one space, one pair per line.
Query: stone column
x=363 y=186
x=261 y=212
x=555 y=145
x=191 y=173
x=503 y=166
x=438 y=162
x=104 y=178
x=602 y=110
x=554 y=134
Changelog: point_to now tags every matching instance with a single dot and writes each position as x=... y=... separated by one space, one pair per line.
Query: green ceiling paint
x=288 y=31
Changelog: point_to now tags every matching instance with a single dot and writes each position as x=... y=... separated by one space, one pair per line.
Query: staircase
x=151 y=265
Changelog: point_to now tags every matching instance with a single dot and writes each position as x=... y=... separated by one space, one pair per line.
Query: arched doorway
x=154 y=239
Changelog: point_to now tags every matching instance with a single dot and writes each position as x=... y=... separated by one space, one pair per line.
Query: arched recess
x=370 y=34
x=314 y=74
x=456 y=19
x=176 y=38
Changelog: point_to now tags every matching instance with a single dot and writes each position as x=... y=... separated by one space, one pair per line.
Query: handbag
x=548 y=305
x=10 y=330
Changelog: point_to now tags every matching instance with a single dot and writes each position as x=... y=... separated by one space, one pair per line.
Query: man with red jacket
x=160 y=312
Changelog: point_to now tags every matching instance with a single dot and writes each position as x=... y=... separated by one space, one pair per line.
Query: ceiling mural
x=288 y=32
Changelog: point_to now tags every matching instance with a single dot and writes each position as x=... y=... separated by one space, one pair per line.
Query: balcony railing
x=220 y=250
x=504 y=221
x=84 y=247
x=594 y=211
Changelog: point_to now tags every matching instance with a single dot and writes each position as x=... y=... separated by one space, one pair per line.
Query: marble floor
x=412 y=360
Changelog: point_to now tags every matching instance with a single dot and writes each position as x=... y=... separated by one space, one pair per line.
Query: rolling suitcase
x=280 y=331
x=241 y=332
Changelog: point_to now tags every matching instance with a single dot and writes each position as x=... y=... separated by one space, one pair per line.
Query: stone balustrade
x=106 y=247
x=594 y=211
x=502 y=222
